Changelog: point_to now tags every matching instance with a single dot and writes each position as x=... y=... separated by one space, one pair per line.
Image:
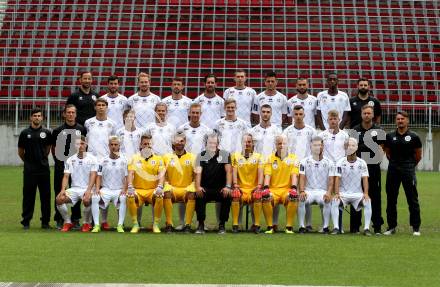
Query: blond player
x=247 y=178
x=111 y=185
x=145 y=183
x=280 y=180
x=179 y=181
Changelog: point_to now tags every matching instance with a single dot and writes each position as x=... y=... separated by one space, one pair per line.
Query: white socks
x=64 y=212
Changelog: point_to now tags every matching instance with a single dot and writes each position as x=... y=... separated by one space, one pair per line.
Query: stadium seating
x=45 y=43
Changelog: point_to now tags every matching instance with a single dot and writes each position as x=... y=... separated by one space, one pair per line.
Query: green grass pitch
x=312 y=259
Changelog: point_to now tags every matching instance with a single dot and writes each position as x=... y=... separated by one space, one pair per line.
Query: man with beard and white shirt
x=117 y=103
x=264 y=133
x=144 y=102
x=178 y=104
x=99 y=129
x=299 y=136
x=231 y=128
x=332 y=99
x=211 y=103
x=304 y=99
x=315 y=184
x=194 y=130
x=162 y=131
x=351 y=186
x=243 y=95
x=271 y=97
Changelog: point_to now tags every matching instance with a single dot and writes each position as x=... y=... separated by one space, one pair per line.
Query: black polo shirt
x=403 y=147
x=35 y=143
x=84 y=103
x=63 y=136
x=365 y=145
x=213 y=169
x=356 y=105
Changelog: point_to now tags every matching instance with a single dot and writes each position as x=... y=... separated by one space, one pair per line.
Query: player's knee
x=190 y=196
x=95 y=198
x=167 y=195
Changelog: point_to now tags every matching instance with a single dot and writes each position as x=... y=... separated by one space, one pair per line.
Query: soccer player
x=145 y=183
x=194 y=130
x=211 y=103
x=361 y=99
x=83 y=99
x=63 y=141
x=404 y=151
x=243 y=95
x=143 y=102
x=33 y=149
x=247 y=178
x=371 y=140
x=280 y=184
x=334 y=138
x=304 y=99
x=299 y=134
x=213 y=182
x=179 y=181
x=161 y=131
x=332 y=99
x=351 y=186
x=273 y=98
x=178 y=104
x=129 y=135
x=81 y=168
x=117 y=103
x=264 y=133
x=231 y=129
x=111 y=185
x=315 y=183
x=99 y=129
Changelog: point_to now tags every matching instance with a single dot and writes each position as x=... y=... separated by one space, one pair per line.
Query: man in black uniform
x=371 y=141
x=362 y=98
x=404 y=151
x=63 y=139
x=33 y=149
x=213 y=182
x=84 y=98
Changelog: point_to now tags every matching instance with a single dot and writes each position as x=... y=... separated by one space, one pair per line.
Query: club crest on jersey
x=172 y=163
x=153 y=162
x=43 y=135
x=80 y=98
x=371 y=103
x=94 y=97
x=275 y=165
x=219 y=158
x=373 y=133
x=29 y=136
x=407 y=138
x=187 y=162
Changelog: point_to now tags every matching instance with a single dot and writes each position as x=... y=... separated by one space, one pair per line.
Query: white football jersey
x=98 y=133
x=299 y=140
x=278 y=104
x=177 y=110
x=264 y=139
x=351 y=174
x=162 y=137
x=113 y=172
x=309 y=104
x=317 y=172
x=80 y=168
x=130 y=141
x=143 y=107
x=212 y=109
x=339 y=102
x=195 y=137
x=245 y=101
x=231 y=134
x=116 y=107
x=334 y=144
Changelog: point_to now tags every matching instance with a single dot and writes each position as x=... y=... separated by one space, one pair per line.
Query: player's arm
x=198 y=181
x=330 y=186
x=64 y=183
x=227 y=189
x=234 y=176
x=92 y=181
x=285 y=119
x=365 y=186
x=319 y=123
x=418 y=155
x=302 y=184
x=345 y=122
x=21 y=153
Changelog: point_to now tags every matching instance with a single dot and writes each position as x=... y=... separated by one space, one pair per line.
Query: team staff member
x=361 y=99
x=83 y=99
x=371 y=139
x=61 y=150
x=213 y=182
x=404 y=151
x=33 y=149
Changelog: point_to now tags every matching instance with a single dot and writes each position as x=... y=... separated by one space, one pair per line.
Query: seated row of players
x=241 y=177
